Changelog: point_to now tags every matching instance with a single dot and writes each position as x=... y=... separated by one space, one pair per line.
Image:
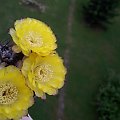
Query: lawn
x=92 y=54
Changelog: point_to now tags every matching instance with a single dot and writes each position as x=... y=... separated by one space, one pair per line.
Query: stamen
x=34 y=39
x=43 y=73
x=8 y=93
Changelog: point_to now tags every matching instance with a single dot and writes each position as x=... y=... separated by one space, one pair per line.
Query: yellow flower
x=15 y=96
x=2 y=117
x=33 y=35
x=44 y=74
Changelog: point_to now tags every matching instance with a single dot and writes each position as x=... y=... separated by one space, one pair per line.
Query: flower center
x=34 y=39
x=8 y=93
x=43 y=73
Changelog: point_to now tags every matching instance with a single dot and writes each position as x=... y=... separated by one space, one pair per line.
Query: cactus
x=8 y=56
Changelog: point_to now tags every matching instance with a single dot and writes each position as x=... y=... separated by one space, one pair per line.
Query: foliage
x=98 y=13
x=108 y=100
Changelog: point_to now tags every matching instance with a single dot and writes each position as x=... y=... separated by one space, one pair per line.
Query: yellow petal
x=46 y=74
x=17 y=98
x=33 y=35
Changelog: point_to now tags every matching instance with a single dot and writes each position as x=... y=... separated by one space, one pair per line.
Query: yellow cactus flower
x=33 y=35
x=44 y=74
x=2 y=117
x=15 y=96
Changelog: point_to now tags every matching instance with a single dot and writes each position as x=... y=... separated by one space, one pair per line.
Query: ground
x=91 y=53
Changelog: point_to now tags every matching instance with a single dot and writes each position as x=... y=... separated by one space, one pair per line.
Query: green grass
x=92 y=54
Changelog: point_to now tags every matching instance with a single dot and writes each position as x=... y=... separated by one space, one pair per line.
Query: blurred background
x=88 y=39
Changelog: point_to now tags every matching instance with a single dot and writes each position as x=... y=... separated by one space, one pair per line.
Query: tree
x=108 y=99
x=98 y=13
